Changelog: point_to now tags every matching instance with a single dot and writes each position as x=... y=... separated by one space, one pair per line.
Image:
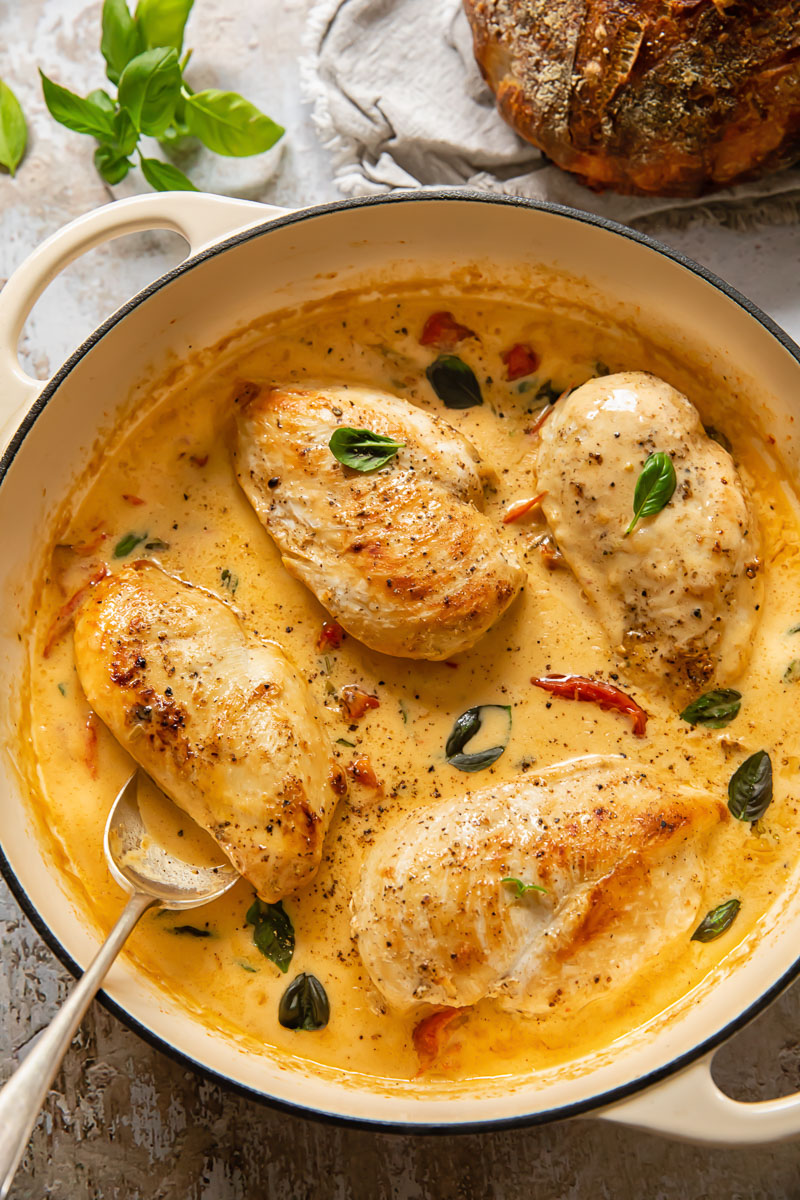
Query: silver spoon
x=152 y=876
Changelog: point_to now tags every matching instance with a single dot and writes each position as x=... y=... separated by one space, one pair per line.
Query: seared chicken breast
x=677 y=596
x=219 y=719
x=402 y=557
x=618 y=857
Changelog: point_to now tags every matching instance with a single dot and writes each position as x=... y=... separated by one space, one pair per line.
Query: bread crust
x=651 y=97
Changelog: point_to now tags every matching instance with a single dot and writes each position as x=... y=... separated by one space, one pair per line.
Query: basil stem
x=521 y=888
x=273 y=932
x=454 y=382
x=361 y=449
x=304 y=1004
x=715 y=922
x=750 y=788
x=715 y=709
x=464 y=730
x=654 y=487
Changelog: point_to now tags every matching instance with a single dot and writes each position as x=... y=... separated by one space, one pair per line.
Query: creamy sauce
x=167 y=479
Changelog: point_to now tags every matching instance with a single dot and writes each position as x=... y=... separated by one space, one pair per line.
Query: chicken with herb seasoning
x=652 y=516
x=400 y=554
x=218 y=718
x=543 y=892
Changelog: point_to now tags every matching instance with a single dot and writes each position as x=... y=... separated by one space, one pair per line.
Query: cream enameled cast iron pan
x=246 y=261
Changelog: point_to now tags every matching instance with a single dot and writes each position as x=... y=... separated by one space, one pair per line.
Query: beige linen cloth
x=399 y=101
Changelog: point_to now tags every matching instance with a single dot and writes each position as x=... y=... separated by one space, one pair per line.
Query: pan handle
x=199 y=217
x=690 y=1107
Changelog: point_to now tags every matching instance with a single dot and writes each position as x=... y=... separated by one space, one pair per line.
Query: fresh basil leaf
x=273 y=932
x=304 y=1004
x=164 y=177
x=228 y=124
x=750 y=788
x=120 y=40
x=362 y=449
x=191 y=931
x=521 y=888
x=162 y=22
x=149 y=88
x=654 y=487
x=13 y=130
x=464 y=730
x=79 y=115
x=101 y=98
x=715 y=922
x=714 y=709
x=548 y=392
x=792 y=672
x=125 y=133
x=454 y=382
x=128 y=543
x=110 y=164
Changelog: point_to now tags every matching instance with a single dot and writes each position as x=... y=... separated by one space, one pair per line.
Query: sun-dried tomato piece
x=65 y=615
x=444 y=332
x=362 y=771
x=198 y=460
x=428 y=1035
x=330 y=637
x=520 y=360
x=521 y=507
x=131 y=499
x=596 y=691
x=354 y=702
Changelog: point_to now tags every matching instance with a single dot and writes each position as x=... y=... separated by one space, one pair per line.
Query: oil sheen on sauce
x=166 y=479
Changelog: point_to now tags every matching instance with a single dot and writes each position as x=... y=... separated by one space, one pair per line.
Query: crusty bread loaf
x=657 y=97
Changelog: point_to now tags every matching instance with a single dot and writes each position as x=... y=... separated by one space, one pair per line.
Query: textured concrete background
x=122 y=1121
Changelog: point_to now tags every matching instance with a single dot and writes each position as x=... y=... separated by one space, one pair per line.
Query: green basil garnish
x=794 y=629
x=304 y=1004
x=362 y=449
x=464 y=730
x=750 y=788
x=715 y=923
x=792 y=672
x=454 y=382
x=125 y=545
x=191 y=931
x=521 y=888
x=654 y=487
x=273 y=932
x=714 y=709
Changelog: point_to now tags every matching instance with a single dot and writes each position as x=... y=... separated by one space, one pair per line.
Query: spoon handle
x=22 y=1097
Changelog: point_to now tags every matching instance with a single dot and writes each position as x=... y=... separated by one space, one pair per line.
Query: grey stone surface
x=123 y=1122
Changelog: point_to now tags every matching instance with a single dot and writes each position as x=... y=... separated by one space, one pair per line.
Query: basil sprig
x=521 y=888
x=127 y=544
x=715 y=709
x=13 y=130
x=142 y=52
x=273 y=932
x=362 y=449
x=454 y=382
x=715 y=922
x=654 y=487
x=464 y=730
x=304 y=1004
x=750 y=788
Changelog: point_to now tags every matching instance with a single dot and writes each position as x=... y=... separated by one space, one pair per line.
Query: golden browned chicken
x=402 y=556
x=618 y=857
x=679 y=595
x=219 y=719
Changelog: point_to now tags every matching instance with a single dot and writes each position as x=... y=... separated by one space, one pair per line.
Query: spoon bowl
x=154 y=856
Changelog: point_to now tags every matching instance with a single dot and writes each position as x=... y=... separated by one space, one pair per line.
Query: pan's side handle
x=199 y=217
x=690 y=1107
